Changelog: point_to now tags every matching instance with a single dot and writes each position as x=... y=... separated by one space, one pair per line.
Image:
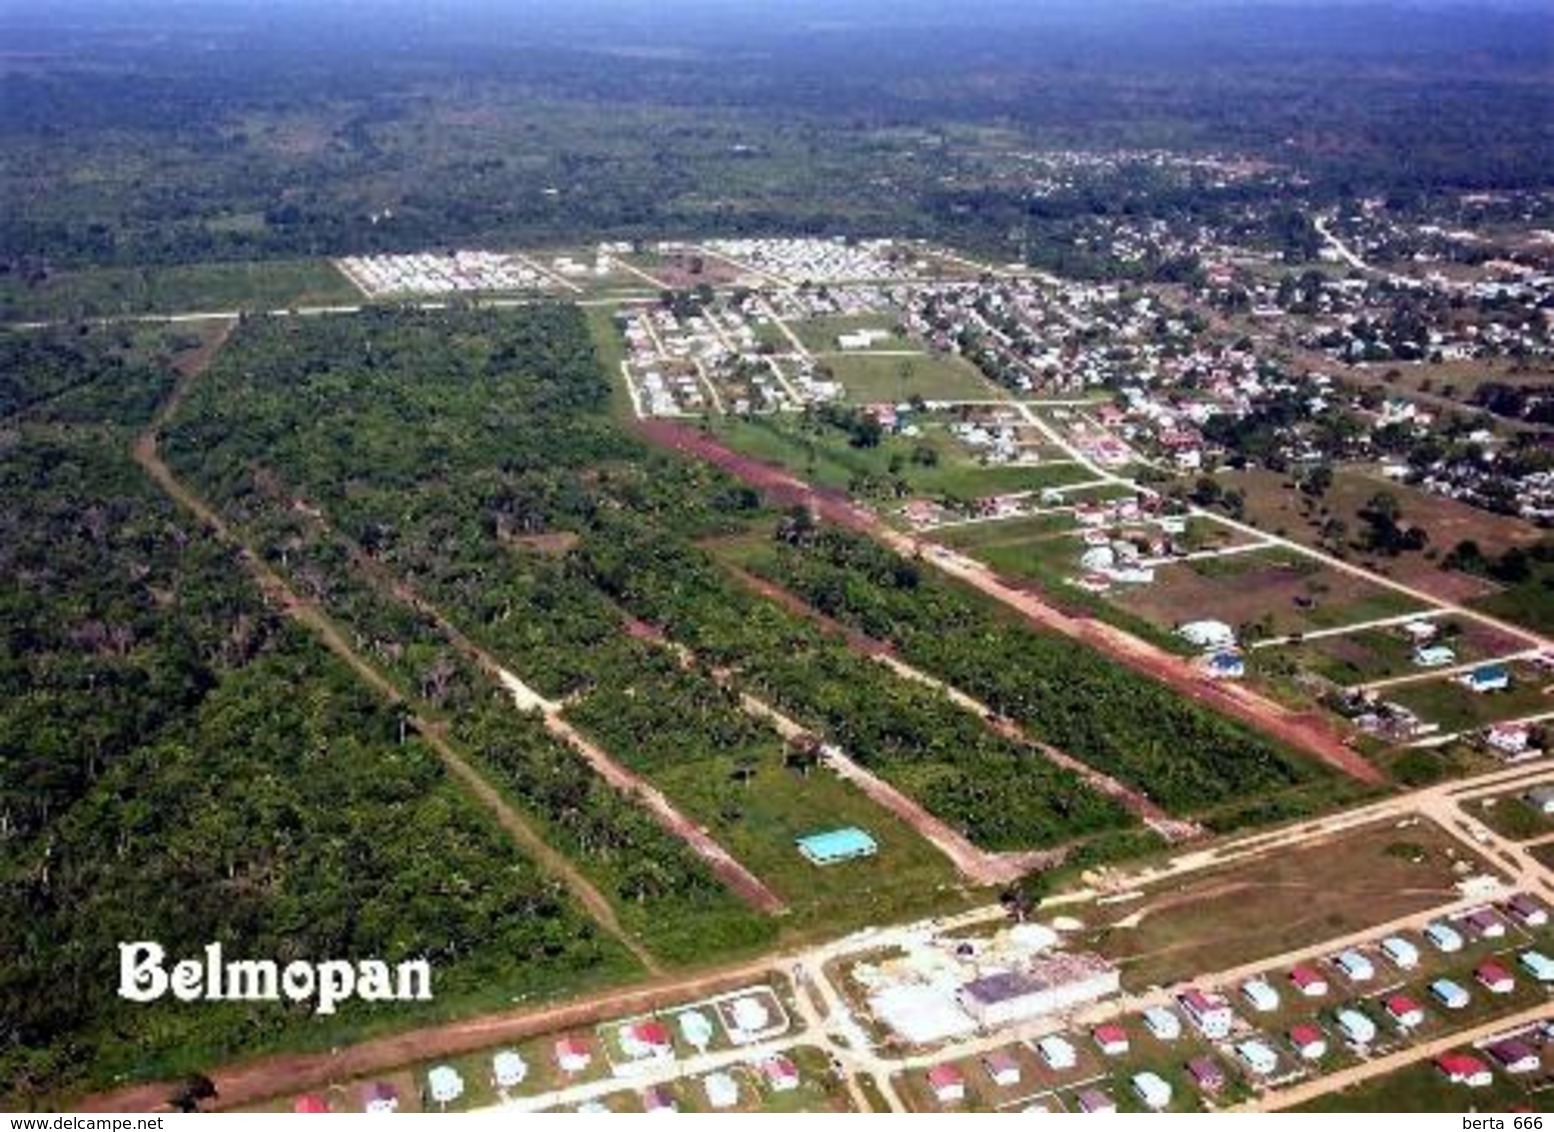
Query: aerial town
x=1095 y=438
x=845 y=556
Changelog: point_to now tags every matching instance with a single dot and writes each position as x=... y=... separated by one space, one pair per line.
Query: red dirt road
x=1305 y=731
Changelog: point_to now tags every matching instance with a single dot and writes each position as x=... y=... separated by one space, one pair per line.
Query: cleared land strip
x=1172 y=829
x=739 y=879
x=1201 y=555
x=1306 y=731
x=976 y=865
x=147 y=455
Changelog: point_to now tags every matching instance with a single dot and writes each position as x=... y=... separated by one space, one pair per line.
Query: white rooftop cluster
x=429 y=273
x=816 y=261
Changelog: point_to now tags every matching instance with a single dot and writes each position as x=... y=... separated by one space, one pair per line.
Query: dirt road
x=745 y=884
x=724 y=865
x=1306 y=731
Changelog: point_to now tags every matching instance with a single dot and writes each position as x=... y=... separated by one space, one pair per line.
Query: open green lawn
x=871 y=378
x=257 y=285
x=1005 y=532
x=1457 y=708
x=759 y=821
x=1422 y=1088
x=1511 y=815
x=823 y=456
x=820 y=334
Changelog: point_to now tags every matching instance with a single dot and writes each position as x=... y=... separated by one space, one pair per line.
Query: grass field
x=1376 y=654
x=1274 y=504
x=820 y=334
x=1225 y=917
x=758 y=822
x=1511 y=815
x=257 y=285
x=1277 y=590
x=1423 y=1088
x=1457 y=708
x=872 y=378
x=1005 y=532
x=824 y=457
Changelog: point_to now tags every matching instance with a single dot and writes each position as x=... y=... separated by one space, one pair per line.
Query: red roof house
x=1309 y=981
x=780 y=1073
x=573 y=1054
x=948 y=1084
x=1111 y=1039
x=1464 y=1069
x=1405 y=1011
x=1309 y=1041
x=1495 y=977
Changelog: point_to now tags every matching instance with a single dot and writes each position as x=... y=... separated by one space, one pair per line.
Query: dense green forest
x=444 y=445
x=215 y=137
x=454 y=445
x=178 y=764
x=999 y=793
x=1180 y=754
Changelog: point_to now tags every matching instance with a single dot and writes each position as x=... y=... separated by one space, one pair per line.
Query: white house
x=1152 y=1089
x=1059 y=1053
x=721 y=1089
x=1359 y=1029
x=751 y=1015
x=1444 y=937
x=1538 y=965
x=1355 y=965
x=1258 y=1057
x=1207 y=634
x=444 y=1084
x=696 y=1028
x=1449 y=994
x=1402 y=953
x=508 y=1069
x=1163 y=1023
x=1262 y=996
